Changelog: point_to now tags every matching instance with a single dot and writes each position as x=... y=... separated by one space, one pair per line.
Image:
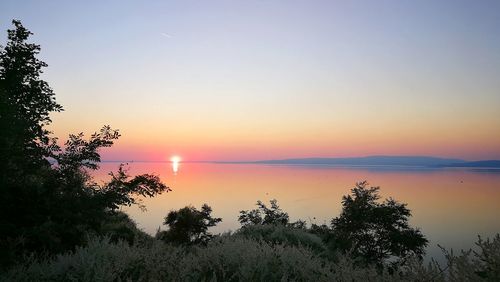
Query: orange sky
x=270 y=79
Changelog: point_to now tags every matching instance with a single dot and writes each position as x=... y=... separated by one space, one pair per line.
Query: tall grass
x=228 y=258
x=243 y=257
x=282 y=234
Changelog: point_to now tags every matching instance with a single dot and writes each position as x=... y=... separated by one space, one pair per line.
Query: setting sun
x=175 y=163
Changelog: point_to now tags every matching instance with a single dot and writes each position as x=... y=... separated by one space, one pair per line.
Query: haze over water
x=451 y=206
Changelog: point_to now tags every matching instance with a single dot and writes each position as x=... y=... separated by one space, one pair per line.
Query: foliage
x=121 y=191
x=264 y=215
x=281 y=234
x=232 y=258
x=118 y=226
x=48 y=201
x=25 y=104
x=322 y=230
x=481 y=265
x=226 y=259
x=236 y=259
x=189 y=225
x=373 y=231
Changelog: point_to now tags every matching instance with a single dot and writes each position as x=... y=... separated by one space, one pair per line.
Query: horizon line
x=290 y=158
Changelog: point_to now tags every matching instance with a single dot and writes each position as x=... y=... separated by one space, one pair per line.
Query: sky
x=252 y=80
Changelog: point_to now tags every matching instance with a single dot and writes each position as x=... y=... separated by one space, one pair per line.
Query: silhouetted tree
x=189 y=225
x=25 y=104
x=48 y=201
x=375 y=231
x=272 y=215
x=264 y=215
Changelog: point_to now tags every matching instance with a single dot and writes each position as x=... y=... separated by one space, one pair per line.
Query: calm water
x=451 y=206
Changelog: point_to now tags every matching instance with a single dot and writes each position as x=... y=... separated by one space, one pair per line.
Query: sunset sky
x=250 y=80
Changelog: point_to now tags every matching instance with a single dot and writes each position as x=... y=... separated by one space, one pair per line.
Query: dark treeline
x=57 y=224
x=48 y=201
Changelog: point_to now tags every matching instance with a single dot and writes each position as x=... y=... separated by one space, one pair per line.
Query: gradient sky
x=248 y=80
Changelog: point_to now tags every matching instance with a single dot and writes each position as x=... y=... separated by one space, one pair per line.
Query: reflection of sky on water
x=451 y=206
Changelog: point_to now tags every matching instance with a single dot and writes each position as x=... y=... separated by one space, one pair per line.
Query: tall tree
x=26 y=102
x=43 y=206
x=375 y=231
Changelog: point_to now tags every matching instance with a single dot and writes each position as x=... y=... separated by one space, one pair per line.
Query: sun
x=175 y=159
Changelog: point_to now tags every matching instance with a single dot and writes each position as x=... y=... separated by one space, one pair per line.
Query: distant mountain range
x=482 y=164
x=417 y=161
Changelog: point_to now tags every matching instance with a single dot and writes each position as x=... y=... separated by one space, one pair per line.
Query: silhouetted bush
x=374 y=232
x=189 y=226
x=119 y=227
x=264 y=215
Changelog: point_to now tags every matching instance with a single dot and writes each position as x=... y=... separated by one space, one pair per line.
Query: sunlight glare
x=175 y=163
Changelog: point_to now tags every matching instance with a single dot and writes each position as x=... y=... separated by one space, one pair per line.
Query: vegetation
x=188 y=226
x=373 y=231
x=48 y=201
x=283 y=235
x=232 y=258
x=263 y=215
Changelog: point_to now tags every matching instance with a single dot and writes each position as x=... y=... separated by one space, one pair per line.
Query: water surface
x=451 y=206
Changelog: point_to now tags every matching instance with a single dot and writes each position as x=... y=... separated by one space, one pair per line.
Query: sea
x=451 y=206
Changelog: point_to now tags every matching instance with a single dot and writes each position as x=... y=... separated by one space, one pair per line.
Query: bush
x=234 y=258
x=118 y=226
x=225 y=259
x=189 y=226
x=279 y=234
x=373 y=231
x=264 y=215
x=475 y=266
x=100 y=260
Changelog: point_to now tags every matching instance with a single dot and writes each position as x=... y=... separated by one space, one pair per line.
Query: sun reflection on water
x=175 y=164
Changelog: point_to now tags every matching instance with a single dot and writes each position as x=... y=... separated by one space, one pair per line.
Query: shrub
x=235 y=258
x=120 y=227
x=279 y=234
x=225 y=259
x=189 y=226
x=470 y=265
x=375 y=232
x=264 y=215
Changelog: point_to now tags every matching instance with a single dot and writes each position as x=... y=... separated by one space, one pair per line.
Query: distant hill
x=482 y=164
x=370 y=161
